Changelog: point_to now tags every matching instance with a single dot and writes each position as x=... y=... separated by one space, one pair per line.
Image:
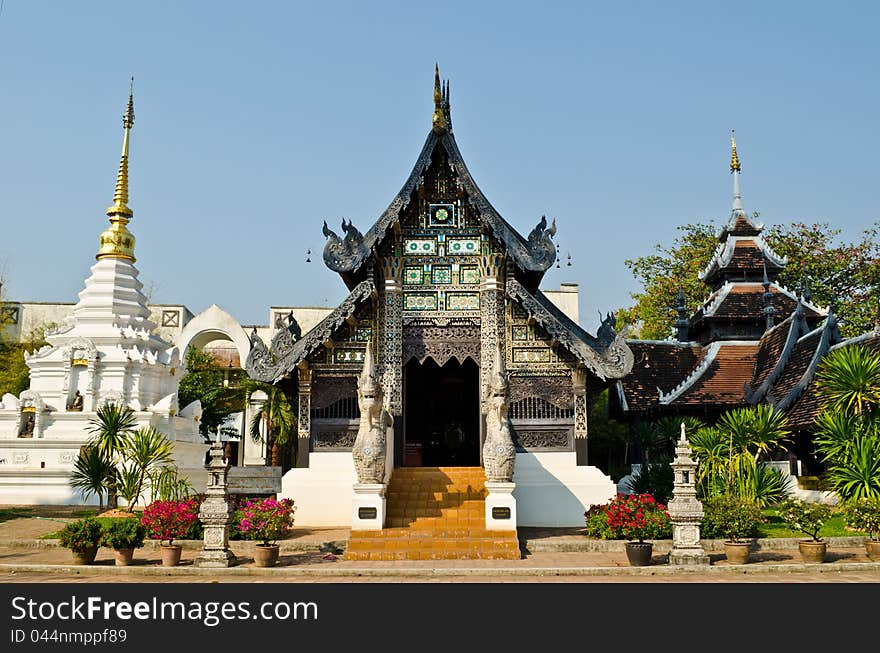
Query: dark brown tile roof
x=722 y=382
x=772 y=344
x=657 y=365
x=797 y=365
x=804 y=410
x=742 y=226
x=745 y=300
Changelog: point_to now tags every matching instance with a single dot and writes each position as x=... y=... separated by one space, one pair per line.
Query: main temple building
x=444 y=298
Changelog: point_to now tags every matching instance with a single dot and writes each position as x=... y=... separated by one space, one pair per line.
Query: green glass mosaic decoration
x=419 y=301
x=413 y=276
x=420 y=247
x=541 y=355
x=470 y=275
x=463 y=301
x=520 y=333
x=442 y=274
x=348 y=355
x=459 y=246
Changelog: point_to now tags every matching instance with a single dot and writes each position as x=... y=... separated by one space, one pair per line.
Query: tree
x=659 y=275
x=14 y=372
x=204 y=380
x=607 y=438
x=843 y=274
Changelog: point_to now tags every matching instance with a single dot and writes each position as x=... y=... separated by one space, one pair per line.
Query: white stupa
x=104 y=352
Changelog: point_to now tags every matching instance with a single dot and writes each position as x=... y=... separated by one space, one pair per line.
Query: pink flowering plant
x=634 y=517
x=166 y=520
x=267 y=520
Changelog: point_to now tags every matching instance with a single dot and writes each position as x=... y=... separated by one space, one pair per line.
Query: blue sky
x=257 y=120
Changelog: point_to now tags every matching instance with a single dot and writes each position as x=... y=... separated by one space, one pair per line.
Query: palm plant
x=145 y=451
x=731 y=452
x=110 y=427
x=91 y=473
x=849 y=380
x=276 y=418
x=848 y=428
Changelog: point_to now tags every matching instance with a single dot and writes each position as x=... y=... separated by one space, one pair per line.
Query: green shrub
x=805 y=516
x=863 y=514
x=655 y=479
x=81 y=534
x=597 y=523
x=124 y=533
x=731 y=518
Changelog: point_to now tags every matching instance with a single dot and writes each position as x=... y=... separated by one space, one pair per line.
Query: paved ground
x=550 y=555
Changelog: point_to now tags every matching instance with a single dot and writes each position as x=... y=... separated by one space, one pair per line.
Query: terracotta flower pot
x=123 y=557
x=266 y=555
x=812 y=551
x=171 y=555
x=85 y=557
x=639 y=553
x=872 y=548
x=737 y=553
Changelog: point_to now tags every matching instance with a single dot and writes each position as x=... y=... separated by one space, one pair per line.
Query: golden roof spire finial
x=734 y=159
x=438 y=121
x=117 y=241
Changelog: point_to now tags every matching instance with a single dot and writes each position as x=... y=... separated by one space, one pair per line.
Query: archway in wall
x=441 y=414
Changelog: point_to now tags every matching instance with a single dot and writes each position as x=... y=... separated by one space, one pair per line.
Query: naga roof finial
x=438 y=121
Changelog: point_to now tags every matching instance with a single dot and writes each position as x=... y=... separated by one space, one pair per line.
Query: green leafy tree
x=204 y=380
x=14 y=372
x=607 y=439
x=843 y=274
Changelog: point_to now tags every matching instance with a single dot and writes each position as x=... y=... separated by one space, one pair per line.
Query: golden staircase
x=434 y=513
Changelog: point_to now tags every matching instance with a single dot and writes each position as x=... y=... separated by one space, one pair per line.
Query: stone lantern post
x=216 y=513
x=685 y=510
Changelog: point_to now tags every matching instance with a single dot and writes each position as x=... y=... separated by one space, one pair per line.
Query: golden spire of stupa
x=438 y=122
x=734 y=159
x=117 y=241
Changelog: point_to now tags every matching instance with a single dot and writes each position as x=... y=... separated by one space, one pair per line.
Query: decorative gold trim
x=29 y=409
x=79 y=362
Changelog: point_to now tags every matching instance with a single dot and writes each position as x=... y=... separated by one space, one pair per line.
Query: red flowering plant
x=634 y=517
x=166 y=520
x=265 y=519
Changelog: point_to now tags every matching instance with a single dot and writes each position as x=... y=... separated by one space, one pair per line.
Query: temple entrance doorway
x=441 y=409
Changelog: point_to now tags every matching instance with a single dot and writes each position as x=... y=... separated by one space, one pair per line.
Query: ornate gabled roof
x=741 y=252
x=720 y=377
x=745 y=300
x=607 y=354
x=348 y=254
x=777 y=344
x=657 y=364
x=804 y=361
x=272 y=364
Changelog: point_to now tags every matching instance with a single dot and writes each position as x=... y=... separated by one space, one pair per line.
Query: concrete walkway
x=315 y=555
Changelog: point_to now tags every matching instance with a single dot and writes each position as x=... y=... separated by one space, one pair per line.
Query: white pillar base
x=368 y=507
x=500 y=507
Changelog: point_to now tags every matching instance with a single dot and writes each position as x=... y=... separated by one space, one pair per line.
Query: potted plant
x=167 y=520
x=82 y=537
x=736 y=521
x=123 y=535
x=636 y=518
x=265 y=520
x=808 y=518
x=864 y=514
